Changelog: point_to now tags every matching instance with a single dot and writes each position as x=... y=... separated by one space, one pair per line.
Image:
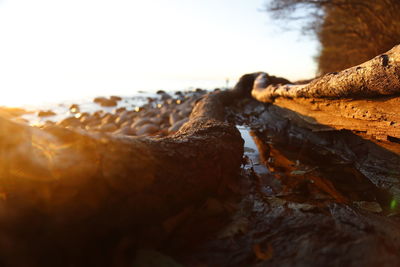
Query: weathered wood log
x=66 y=191
x=345 y=226
x=333 y=101
x=353 y=114
x=377 y=77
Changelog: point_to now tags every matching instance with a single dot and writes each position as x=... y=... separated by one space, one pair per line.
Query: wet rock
x=120 y=110
x=108 y=118
x=70 y=121
x=126 y=124
x=160 y=92
x=147 y=129
x=81 y=115
x=74 y=108
x=151 y=113
x=156 y=120
x=109 y=127
x=123 y=117
x=85 y=118
x=105 y=102
x=169 y=101
x=165 y=96
x=98 y=114
x=115 y=98
x=174 y=128
x=46 y=113
x=139 y=122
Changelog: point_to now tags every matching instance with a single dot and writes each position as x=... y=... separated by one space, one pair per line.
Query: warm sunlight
x=56 y=50
x=199 y=133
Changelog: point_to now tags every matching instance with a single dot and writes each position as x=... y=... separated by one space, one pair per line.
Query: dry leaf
x=263 y=254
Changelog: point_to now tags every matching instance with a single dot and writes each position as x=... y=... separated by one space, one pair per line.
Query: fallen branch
x=379 y=76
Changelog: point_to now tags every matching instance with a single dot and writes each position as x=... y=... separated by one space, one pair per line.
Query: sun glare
x=56 y=49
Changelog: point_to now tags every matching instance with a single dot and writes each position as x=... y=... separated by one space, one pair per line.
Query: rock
x=108 y=103
x=174 y=128
x=115 y=98
x=107 y=118
x=109 y=127
x=81 y=115
x=70 y=121
x=120 y=110
x=150 y=100
x=126 y=124
x=169 y=101
x=156 y=120
x=121 y=118
x=105 y=102
x=139 y=122
x=147 y=129
x=74 y=108
x=84 y=119
x=98 y=114
x=160 y=92
x=99 y=99
x=165 y=96
x=46 y=113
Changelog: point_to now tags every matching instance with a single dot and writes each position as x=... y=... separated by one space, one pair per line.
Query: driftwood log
x=69 y=197
x=353 y=113
x=68 y=191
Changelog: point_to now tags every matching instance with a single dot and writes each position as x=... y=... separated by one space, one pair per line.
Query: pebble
x=107 y=118
x=74 y=108
x=109 y=127
x=147 y=129
x=115 y=98
x=46 y=113
x=105 y=102
x=70 y=121
x=140 y=122
x=160 y=92
x=162 y=115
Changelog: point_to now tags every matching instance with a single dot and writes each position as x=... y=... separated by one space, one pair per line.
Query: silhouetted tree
x=350 y=31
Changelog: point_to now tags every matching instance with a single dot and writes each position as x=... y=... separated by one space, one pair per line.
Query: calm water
x=83 y=93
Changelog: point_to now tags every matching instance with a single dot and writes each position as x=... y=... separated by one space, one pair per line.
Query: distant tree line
x=349 y=31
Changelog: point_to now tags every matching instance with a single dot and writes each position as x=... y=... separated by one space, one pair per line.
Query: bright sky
x=53 y=49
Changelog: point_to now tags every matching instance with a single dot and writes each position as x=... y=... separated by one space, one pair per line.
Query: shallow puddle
x=252 y=152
